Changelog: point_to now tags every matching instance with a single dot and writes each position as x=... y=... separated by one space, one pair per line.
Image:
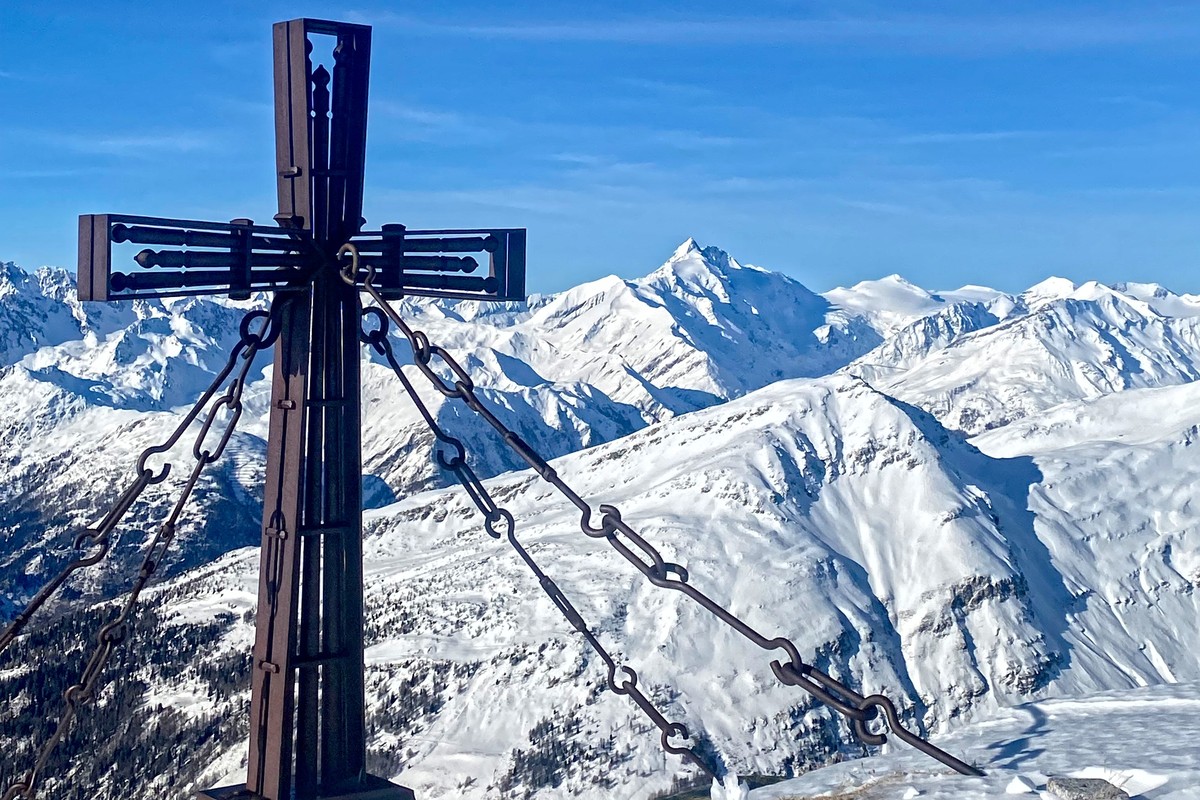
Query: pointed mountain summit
x=689 y=246
x=756 y=326
x=709 y=269
x=704 y=328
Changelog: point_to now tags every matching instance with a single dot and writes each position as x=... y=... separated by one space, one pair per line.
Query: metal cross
x=307 y=726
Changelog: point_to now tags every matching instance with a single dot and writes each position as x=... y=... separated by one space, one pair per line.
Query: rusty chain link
x=115 y=631
x=859 y=709
x=499 y=523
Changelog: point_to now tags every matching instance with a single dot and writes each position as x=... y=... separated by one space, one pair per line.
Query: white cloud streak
x=130 y=145
x=967 y=137
x=979 y=34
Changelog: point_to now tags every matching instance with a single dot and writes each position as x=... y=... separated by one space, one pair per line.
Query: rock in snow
x=1084 y=789
x=968 y=500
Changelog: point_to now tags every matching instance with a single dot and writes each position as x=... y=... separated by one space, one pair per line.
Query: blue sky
x=953 y=143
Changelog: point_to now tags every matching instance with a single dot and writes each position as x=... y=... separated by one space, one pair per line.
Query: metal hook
x=349 y=272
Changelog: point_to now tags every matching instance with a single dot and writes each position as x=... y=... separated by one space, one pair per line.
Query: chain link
x=793 y=671
x=115 y=631
x=499 y=523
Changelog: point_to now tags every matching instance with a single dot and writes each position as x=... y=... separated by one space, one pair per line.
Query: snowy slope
x=1118 y=477
x=1140 y=741
x=897 y=555
x=802 y=455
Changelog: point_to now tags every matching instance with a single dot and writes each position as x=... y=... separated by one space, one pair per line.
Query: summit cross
x=307 y=721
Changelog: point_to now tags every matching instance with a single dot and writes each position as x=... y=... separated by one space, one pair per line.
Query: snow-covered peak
x=889 y=303
x=1087 y=341
x=1162 y=299
x=55 y=282
x=1144 y=291
x=1047 y=291
x=891 y=289
x=696 y=268
x=719 y=258
x=971 y=292
x=703 y=327
x=10 y=275
x=684 y=250
x=35 y=311
x=1152 y=297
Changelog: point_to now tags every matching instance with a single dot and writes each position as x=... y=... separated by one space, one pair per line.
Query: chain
x=114 y=632
x=859 y=709
x=99 y=536
x=494 y=517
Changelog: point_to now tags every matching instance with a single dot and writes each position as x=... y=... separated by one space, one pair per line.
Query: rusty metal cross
x=307 y=725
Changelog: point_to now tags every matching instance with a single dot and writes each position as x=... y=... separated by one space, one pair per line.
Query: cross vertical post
x=308 y=731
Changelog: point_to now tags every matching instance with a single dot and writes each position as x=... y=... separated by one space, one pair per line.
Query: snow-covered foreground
x=1143 y=741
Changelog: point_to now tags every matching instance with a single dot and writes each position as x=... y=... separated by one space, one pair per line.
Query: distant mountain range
x=965 y=499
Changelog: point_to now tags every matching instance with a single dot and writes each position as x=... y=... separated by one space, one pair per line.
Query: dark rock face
x=1085 y=789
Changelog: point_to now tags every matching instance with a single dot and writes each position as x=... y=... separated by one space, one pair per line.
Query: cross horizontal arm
x=404 y=262
x=238 y=257
x=232 y=258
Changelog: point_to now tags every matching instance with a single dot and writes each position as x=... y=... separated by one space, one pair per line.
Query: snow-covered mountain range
x=966 y=499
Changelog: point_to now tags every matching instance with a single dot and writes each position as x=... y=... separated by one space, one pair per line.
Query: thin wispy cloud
x=741 y=184
x=47 y=174
x=695 y=140
x=589 y=161
x=962 y=34
x=1191 y=192
x=579 y=159
x=877 y=207
x=1178 y=144
x=432 y=124
x=130 y=145
x=954 y=137
x=399 y=121
x=428 y=117
x=543 y=200
x=259 y=109
x=1135 y=102
x=673 y=89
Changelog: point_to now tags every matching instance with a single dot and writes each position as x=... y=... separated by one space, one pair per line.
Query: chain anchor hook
x=349 y=271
